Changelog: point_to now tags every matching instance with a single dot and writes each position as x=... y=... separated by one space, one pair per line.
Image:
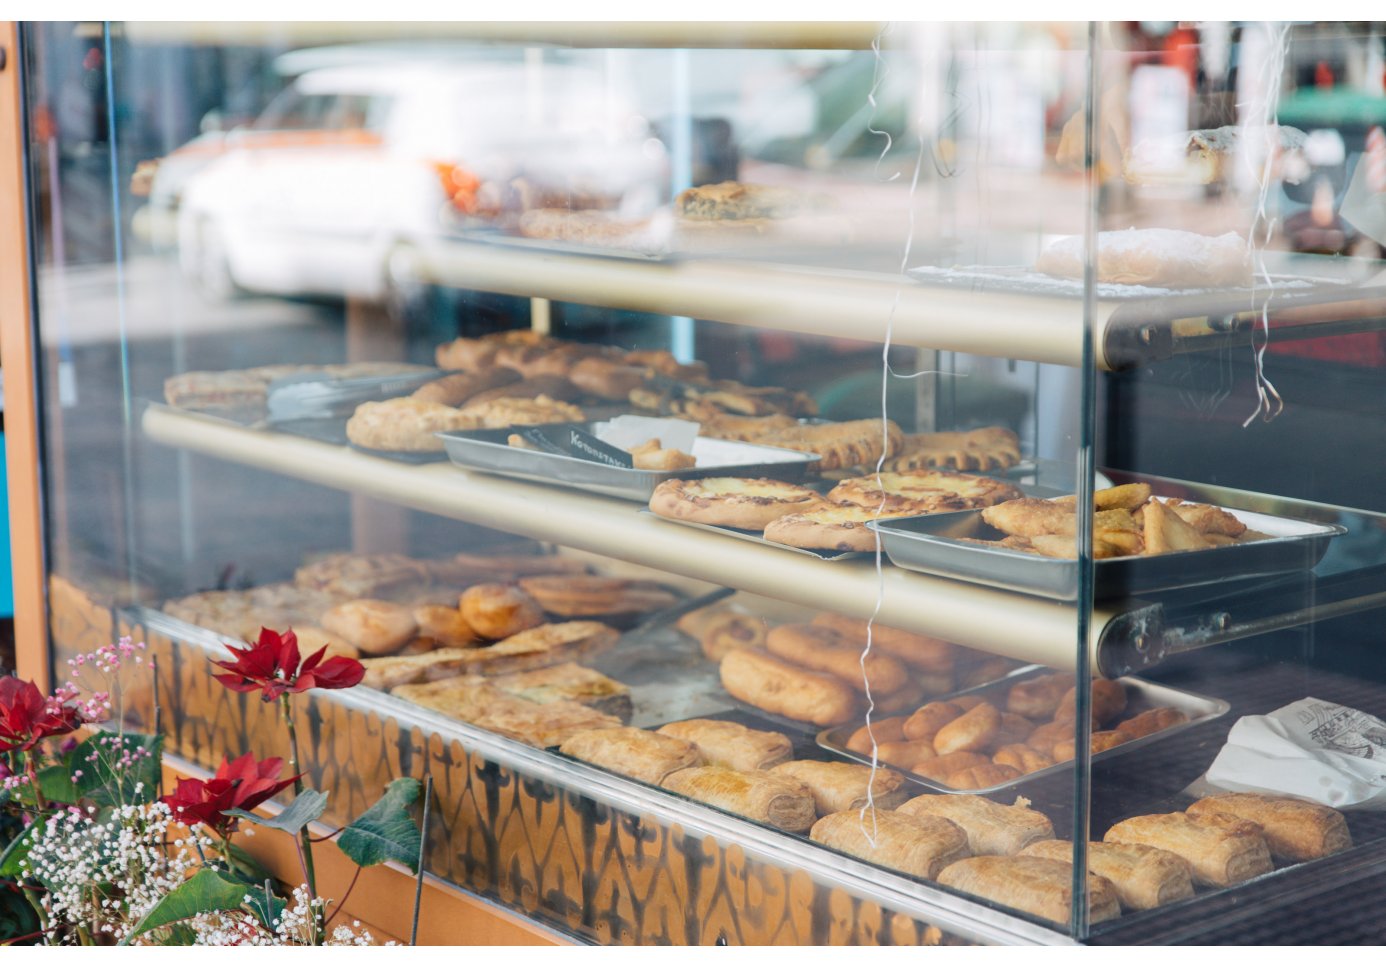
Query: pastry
x=498 y=611
x=907 y=697
x=927 y=720
x=905 y=753
x=918 y=846
x=373 y=626
x=971 y=732
x=1099 y=742
x=784 y=689
x=850 y=444
x=1022 y=757
x=922 y=491
x=444 y=625
x=987 y=449
x=888 y=730
x=1108 y=701
x=1220 y=854
x=731 y=502
x=393 y=671
x=466 y=354
x=1048 y=735
x=405 y=424
x=991 y=827
x=779 y=801
x=666 y=364
x=247 y=389
x=822 y=649
x=543 y=645
x=1151 y=721
x=1039 y=698
x=362 y=576
x=833 y=527
x=987 y=670
x=457 y=388
x=569 y=682
x=474 y=701
x=732 y=745
x=547 y=387
x=940 y=768
x=511 y=411
x=652 y=456
x=843 y=786
x=731 y=200
x=1144 y=877
x=730 y=426
x=1035 y=885
x=605 y=378
x=727 y=631
x=638 y=753
x=981 y=777
x=1154 y=257
x=921 y=652
x=576 y=596
x=1295 y=830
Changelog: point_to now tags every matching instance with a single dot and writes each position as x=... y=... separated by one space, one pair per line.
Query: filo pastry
x=637 y=753
x=1221 y=850
x=991 y=827
x=1144 y=877
x=843 y=786
x=1295 y=830
x=731 y=744
x=1035 y=885
x=919 y=846
x=779 y=801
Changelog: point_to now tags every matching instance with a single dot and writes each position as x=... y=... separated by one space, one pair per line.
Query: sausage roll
x=636 y=753
x=731 y=744
x=1220 y=850
x=1295 y=830
x=922 y=652
x=823 y=649
x=1035 y=885
x=919 y=846
x=1144 y=877
x=779 y=801
x=842 y=786
x=784 y=689
x=991 y=828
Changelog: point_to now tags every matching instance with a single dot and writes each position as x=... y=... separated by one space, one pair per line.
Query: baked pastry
x=940 y=768
x=445 y=626
x=731 y=200
x=1144 y=877
x=576 y=596
x=981 y=777
x=1049 y=735
x=344 y=576
x=971 y=732
x=547 y=386
x=1151 y=721
x=987 y=449
x=928 y=719
x=852 y=443
x=730 y=426
x=727 y=630
x=1099 y=742
x=1108 y=701
x=843 y=786
x=905 y=753
x=457 y=388
x=779 y=801
x=466 y=354
x=730 y=502
x=405 y=424
x=1205 y=156
x=991 y=827
x=498 y=611
x=732 y=745
x=1295 y=830
x=511 y=411
x=821 y=648
x=979 y=673
x=606 y=378
x=907 y=697
x=393 y=671
x=475 y=701
x=918 y=846
x=375 y=627
x=665 y=363
x=541 y=646
x=1219 y=853
x=653 y=456
x=596 y=228
x=784 y=689
x=1155 y=257
x=922 y=652
x=1039 y=698
x=247 y=389
x=569 y=682
x=834 y=527
x=922 y=491
x=637 y=753
x=1035 y=885
x=1022 y=757
x=889 y=730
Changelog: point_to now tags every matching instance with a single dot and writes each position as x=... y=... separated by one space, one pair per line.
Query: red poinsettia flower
x=242 y=784
x=27 y=715
x=272 y=665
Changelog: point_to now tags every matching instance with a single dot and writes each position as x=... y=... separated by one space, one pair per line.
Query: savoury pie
x=731 y=502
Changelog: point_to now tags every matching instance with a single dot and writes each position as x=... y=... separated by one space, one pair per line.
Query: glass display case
x=788 y=483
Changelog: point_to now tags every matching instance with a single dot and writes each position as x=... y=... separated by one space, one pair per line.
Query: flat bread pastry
x=1144 y=877
x=576 y=596
x=730 y=502
x=923 y=491
x=823 y=649
x=918 y=846
x=732 y=745
x=1035 y=885
x=475 y=701
x=991 y=827
x=541 y=646
x=987 y=449
x=779 y=801
x=1295 y=830
x=405 y=424
x=522 y=412
x=829 y=527
x=730 y=426
x=400 y=670
x=1169 y=258
x=637 y=753
x=1219 y=853
x=852 y=443
x=569 y=682
x=843 y=786
x=782 y=688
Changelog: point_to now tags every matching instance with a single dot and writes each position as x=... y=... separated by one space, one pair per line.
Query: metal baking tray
x=930 y=544
x=1141 y=695
x=487 y=450
x=822 y=554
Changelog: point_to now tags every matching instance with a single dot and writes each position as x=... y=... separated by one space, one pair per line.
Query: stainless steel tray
x=1140 y=696
x=931 y=544
x=824 y=554
x=487 y=450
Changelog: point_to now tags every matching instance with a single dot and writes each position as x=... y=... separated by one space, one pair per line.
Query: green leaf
x=17 y=850
x=307 y=807
x=206 y=891
x=386 y=831
x=244 y=865
x=266 y=907
x=56 y=784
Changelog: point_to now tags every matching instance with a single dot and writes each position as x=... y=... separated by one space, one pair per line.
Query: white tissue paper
x=1311 y=749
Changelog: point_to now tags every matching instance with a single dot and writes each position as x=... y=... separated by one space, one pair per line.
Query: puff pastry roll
x=1295 y=830
x=636 y=753
x=1144 y=877
x=731 y=744
x=842 y=786
x=919 y=846
x=1035 y=885
x=780 y=801
x=1220 y=849
x=991 y=828
x=783 y=688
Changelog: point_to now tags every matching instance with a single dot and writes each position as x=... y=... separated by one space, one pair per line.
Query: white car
x=348 y=166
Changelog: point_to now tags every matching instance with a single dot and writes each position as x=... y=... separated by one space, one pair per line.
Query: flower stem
x=306 y=851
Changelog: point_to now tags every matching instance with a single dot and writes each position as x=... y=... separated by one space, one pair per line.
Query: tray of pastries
x=1141 y=543
x=998 y=736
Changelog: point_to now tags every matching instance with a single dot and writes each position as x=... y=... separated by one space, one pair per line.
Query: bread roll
x=779 y=687
x=991 y=827
x=444 y=625
x=903 y=699
x=922 y=652
x=981 y=777
x=1295 y=830
x=779 y=801
x=1024 y=758
x=918 y=846
x=1144 y=877
x=1013 y=729
x=927 y=720
x=884 y=731
x=1100 y=741
x=973 y=731
x=1035 y=885
x=373 y=626
x=822 y=649
x=1151 y=721
x=498 y=611
x=1219 y=853
x=843 y=786
x=1039 y=698
x=1108 y=701
x=904 y=753
x=637 y=753
x=732 y=745
x=940 y=768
